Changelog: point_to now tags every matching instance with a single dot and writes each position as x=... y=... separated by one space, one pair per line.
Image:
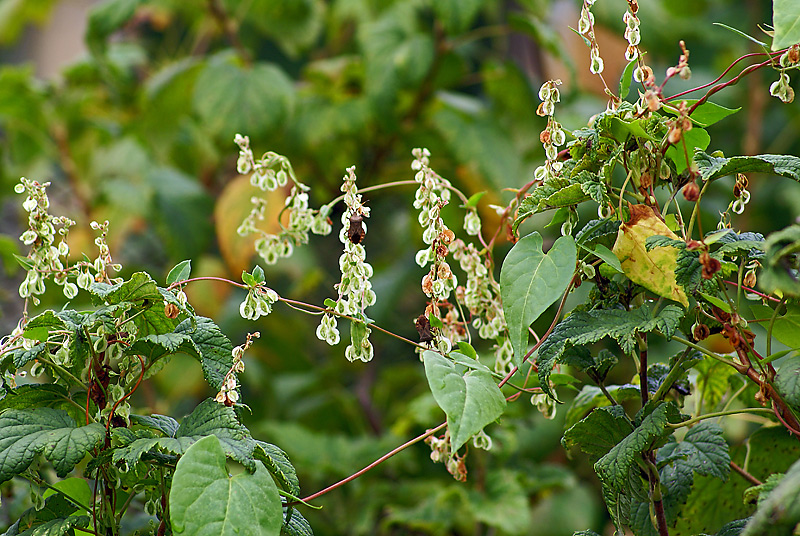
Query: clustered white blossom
x=553 y=136
x=270 y=172
x=632 y=35
x=355 y=288
x=47 y=237
x=258 y=302
x=586 y=29
x=229 y=391
x=441 y=452
x=433 y=194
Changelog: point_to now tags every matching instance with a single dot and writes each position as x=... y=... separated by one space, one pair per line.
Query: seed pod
x=356 y=231
x=691 y=192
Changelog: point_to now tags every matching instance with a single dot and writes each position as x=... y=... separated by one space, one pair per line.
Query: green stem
x=41 y=482
x=64 y=372
x=704 y=351
x=672 y=376
x=719 y=414
x=772 y=324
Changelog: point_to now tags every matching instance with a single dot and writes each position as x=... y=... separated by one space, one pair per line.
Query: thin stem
x=718 y=414
x=696 y=210
x=373 y=464
x=747 y=476
x=351 y=318
x=643 y=387
x=720 y=77
x=702 y=350
x=772 y=324
x=754 y=291
x=63 y=371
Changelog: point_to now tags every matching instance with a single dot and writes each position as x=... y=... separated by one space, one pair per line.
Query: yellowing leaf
x=654 y=269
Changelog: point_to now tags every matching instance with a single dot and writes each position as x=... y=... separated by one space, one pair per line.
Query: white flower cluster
x=586 y=29
x=553 y=136
x=45 y=256
x=433 y=193
x=48 y=253
x=270 y=172
x=258 y=302
x=632 y=35
x=229 y=391
x=441 y=452
x=354 y=289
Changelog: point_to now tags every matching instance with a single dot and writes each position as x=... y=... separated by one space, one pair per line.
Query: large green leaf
x=619 y=467
x=713 y=167
x=779 y=513
x=215 y=348
x=787 y=382
x=470 y=401
x=55 y=517
x=45 y=395
x=205 y=500
x=599 y=432
x=46 y=431
x=531 y=281
x=786 y=21
x=703 y=449
x=585 y=327
x=695 y=139
x=230 y=98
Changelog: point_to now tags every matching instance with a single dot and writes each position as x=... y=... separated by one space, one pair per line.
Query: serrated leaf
x=713 y=167
x=786 y=21
x=296 y=526
x=208 y=418
x=592 y=397
x=470 y=401
x=704 y=449
x=555 y=193
x=139 y=288
x=654 y=270
x=22 y=356
x=47 y=395
x=205 y=500
x=180 y=272
x=617 y=467
x=531 y=281
x=155 y=347
x=277 y=463
x=779 y=513
x=585 y=327
x=215 y=348
x=598 y=232
x=163 y=423
x=787 y=382
x=46 y=431
x=39 y=327
x=599 y=432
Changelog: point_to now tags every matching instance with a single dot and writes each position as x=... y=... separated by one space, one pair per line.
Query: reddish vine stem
x=370 y=466
x=720 y=77
x=747 y=476
x=754 y=291
x=732 y=81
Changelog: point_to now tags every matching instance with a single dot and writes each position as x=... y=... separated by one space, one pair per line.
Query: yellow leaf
x=654 y=269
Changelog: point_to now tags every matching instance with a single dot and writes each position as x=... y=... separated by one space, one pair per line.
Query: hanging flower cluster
x=781 y=88
x=355 y=289
x=433 y=194
x=552 y=137
x=270 y=172
x=260 y=298
x=632 y=35
x=47 y=237
x=586 y=29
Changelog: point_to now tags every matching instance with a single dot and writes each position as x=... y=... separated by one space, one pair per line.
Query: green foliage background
x=140 y=132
